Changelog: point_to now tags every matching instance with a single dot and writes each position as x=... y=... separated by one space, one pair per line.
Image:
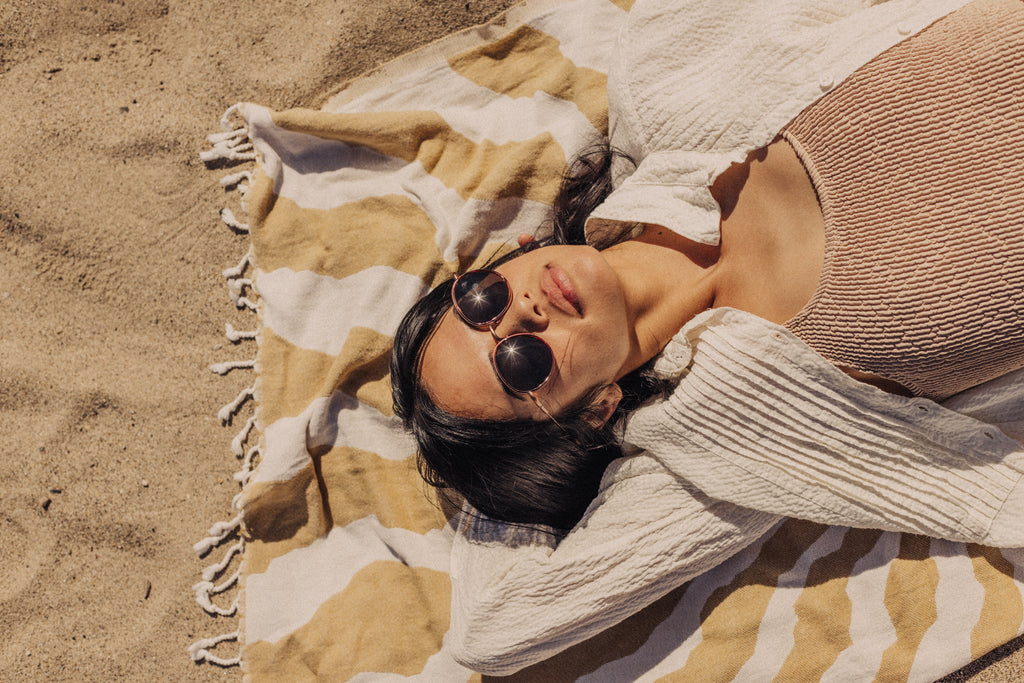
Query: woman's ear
x=524 y=239
x=605 y=404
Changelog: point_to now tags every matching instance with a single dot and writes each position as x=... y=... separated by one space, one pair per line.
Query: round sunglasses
x=523 y=362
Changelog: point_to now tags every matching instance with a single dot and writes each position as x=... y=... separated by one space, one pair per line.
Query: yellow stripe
x=337 y=488
x=389 y=619
x=824 y=610
x=360 y=483
x=259 y=201
x=623 y=4
x=1002 y=611
x=292 y=377
x=366 y=372
x=349 y=238
x=282 y=516
x=528 y=61
x=321 y=240
x=528 y=169
x=732 y=614
x=910 y=600
x=619 y=641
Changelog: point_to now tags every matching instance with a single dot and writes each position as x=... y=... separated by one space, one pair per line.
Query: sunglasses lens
x=523 y=361
x=482 y=296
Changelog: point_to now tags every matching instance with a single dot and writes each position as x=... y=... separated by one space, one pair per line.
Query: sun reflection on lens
x=524 y=362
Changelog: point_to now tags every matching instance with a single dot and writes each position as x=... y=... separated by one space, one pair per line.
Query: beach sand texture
x=112 y=306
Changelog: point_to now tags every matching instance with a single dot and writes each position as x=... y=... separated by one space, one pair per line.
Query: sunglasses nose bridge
x=524 y=314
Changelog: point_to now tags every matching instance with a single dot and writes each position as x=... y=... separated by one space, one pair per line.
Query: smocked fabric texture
x=918 y=162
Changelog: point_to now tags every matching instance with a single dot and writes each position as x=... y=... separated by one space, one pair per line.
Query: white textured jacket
x=759 y=426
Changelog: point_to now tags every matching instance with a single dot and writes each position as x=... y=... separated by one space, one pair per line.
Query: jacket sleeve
x=521 y=594
x=760 y=420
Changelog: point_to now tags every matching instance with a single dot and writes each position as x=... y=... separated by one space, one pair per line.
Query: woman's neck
x=667 y=280
x=773 y=234
x=769 y=262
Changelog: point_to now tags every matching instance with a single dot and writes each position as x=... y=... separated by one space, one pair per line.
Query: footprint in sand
x=25 y=543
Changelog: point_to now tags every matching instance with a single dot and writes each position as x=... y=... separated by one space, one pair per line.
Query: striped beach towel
x=413 y=173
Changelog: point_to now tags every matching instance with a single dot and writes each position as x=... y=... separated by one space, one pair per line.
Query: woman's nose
x=525 y=314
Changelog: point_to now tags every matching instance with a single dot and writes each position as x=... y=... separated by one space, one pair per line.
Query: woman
x=859 y=231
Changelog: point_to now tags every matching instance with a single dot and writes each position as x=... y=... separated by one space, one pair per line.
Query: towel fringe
x=199 y=651
x=243 y=302
x=233 y=179
x=242 y=475
x=236 y=288
x=233 y=147
x=231 y=144
x=204 y=591
x=237 y=443
x=215 y=570
x=228 y=410
x=216 y=535
x=225 y=118
x=227 y=366
x=236 y=336
x=238 y=270
x=229 y=219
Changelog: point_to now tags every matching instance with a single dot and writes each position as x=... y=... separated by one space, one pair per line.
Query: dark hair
x=522 y=471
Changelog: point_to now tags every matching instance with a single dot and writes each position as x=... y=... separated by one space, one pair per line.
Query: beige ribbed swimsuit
x=918 y=162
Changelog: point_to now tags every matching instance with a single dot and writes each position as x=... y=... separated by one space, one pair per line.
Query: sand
x=112 y=306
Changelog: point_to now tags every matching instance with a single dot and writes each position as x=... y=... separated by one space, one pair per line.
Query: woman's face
x=567 y=295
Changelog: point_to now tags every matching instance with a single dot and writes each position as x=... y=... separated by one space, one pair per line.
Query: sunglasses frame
x=490 y=325
x=494 y=320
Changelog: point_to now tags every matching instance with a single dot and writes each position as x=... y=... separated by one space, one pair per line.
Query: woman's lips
x=560 y=291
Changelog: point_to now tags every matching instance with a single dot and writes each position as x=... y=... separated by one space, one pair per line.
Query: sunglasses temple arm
x=543 y=409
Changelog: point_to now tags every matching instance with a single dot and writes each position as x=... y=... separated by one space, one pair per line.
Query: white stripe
x=338 y=421
x=775 y=636
x=481 y=114
x=871 y=629
x=317 y=312
x=674 y=639
x=323 y=174
x=345 y=421
x=579 y=41
x=503 y=119
x=287 y=595
x=284 y=453
x=507 y=218
x=958 y=601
